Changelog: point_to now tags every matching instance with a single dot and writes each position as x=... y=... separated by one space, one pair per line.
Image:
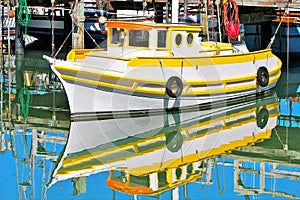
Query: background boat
x=259 y=33
x=288 y=36
x=40 y=24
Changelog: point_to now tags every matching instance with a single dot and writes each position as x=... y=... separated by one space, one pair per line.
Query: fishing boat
x=41 y=23
x=150 y=154
x=153 y=66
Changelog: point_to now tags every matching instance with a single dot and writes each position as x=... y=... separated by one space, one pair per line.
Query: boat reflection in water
x=151 y=154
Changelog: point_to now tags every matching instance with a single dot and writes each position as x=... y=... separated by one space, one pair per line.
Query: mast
x=52 y=28
x=175 y=8
x=185 y=9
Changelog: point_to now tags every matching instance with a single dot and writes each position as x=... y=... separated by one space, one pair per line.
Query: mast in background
x=78 y=21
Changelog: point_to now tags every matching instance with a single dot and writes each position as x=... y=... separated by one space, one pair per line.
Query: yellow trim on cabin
x=83 y=158
x=126 y=38
x=109 y=36
x=80 y=53
x=107 y=56
x=162 y=49
x=169 y=42
x=138 y=47
x=186 y=29
x=129 y=25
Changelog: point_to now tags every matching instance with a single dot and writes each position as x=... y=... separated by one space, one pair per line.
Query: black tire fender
x=262 y=76
x=174 y=86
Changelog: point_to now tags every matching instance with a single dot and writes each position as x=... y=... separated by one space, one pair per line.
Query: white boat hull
x=91 y=100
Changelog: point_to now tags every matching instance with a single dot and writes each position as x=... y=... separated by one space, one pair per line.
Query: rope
x=61 y=46
x=24 y=106
x=23 y=9
x=277 y=29
x=92 y=38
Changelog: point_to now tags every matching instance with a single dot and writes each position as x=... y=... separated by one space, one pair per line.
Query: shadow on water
x=245 y=148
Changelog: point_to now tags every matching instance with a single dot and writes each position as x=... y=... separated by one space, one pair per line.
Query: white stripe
x=97 y=26
x=92 y=28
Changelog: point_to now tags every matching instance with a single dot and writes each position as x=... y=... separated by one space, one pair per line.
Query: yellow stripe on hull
x=188 y=84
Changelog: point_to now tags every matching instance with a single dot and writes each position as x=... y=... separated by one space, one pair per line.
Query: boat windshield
x=161 y=39
x=139 y=38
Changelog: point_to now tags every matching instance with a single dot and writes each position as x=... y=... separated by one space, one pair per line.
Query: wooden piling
x=78 y=21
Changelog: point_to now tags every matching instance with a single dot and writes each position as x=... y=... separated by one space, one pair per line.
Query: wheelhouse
x=153 y=39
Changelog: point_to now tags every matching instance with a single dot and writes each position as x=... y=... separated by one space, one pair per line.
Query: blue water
x=257 y=166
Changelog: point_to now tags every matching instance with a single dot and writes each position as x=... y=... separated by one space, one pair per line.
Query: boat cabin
x=131 y=39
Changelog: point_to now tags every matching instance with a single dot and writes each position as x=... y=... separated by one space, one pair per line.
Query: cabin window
x=139 y=38
x=115 y=36
x=161 y=39
x=189 y=39
x=178 y=40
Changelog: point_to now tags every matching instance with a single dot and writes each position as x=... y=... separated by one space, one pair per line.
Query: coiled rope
x=23 y=14
x=231 y=19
